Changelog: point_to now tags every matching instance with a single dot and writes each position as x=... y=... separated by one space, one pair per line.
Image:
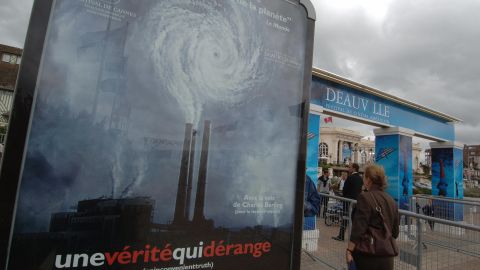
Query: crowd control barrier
x=425 y=242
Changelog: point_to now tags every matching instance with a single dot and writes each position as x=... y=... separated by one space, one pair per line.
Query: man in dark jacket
x=351 y=189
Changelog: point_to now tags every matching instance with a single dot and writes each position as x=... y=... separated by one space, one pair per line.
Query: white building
x=343 y=146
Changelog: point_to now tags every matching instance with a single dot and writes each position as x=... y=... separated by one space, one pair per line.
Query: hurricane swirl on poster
x=204 y=52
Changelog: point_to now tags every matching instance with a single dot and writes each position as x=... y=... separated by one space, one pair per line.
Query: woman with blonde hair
x=375 y=209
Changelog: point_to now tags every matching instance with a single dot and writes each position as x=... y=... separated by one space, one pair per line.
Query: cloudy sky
x=425 y=51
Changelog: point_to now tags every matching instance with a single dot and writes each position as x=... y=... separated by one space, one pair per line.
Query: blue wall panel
x=394 y=154
x=447 y=180
x=312 y=159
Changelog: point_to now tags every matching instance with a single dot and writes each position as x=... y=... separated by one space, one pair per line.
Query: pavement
x=443 y=248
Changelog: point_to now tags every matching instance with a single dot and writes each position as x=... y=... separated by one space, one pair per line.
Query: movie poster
x=459 y=188
x=309 y=223
x=443 y=172
x=458 y=157
x=313 y=137
x=163 y=136
x=447 y=180
x=386 y=155
x=394 y=153
x=405 y=172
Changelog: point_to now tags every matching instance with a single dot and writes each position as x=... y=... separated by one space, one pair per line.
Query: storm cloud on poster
x=110 y=120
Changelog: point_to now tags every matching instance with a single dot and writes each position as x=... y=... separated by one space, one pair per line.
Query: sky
x=424 y=51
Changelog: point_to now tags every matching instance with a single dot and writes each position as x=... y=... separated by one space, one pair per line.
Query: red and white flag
x=328 y=119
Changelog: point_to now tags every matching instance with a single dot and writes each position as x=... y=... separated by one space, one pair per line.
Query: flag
x=328 y=119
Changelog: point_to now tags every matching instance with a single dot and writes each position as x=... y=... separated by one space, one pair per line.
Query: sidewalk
x=444 y=248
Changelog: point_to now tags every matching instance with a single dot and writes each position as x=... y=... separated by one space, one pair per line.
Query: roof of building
x=10 y=49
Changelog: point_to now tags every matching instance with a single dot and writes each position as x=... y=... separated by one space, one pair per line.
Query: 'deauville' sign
x=339 y=98
x=347 y=102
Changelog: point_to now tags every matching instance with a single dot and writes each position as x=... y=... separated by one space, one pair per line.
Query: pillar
x=340 y=152
x=393 y=151
x=310 y=232
x=312 y=158
x=447 y=176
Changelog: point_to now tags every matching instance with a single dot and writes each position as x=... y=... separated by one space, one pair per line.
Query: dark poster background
x=127 y=92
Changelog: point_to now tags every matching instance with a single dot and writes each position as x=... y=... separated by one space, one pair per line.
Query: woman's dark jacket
x=365 y=213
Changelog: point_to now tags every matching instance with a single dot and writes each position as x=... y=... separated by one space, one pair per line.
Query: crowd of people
x=374 y=209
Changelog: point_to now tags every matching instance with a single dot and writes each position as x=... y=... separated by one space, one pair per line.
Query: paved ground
x=443 y=248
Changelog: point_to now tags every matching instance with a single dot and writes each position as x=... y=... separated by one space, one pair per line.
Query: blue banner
x=346 y=100
x=459 y=188
x=312 y=159
x=312 y=146
x=394 y=153
x=386 y=155
x=405 y=171
x=443 y=183
x=458 y=157
x=447 y=180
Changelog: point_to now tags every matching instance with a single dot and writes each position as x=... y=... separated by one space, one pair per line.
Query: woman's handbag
x=377 y=241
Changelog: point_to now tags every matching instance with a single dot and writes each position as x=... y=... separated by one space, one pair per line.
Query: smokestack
x=198 y=215
x=190 y=175
x=180 y=203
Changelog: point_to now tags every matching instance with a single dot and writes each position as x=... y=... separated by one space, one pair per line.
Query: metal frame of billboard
x=21 y=118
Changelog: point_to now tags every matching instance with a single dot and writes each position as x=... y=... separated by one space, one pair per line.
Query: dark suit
x=353 y=186
x=351 y=189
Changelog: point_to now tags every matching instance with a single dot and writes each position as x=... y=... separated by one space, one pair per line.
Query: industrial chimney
x=198 y=214
x=181 y=201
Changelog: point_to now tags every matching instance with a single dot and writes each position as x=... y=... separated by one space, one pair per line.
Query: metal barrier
x=464 y=211
x=425 y=242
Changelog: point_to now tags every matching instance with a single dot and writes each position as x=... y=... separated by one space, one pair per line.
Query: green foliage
x=326 y=166
x=418 y=190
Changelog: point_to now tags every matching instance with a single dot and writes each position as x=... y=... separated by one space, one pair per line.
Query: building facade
x=471 y=158
x=340 y=146
x=10 y=58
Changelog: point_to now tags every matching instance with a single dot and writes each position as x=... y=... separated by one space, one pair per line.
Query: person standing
x=367 y=215
x=341 y=184
x=351 y=189
x=324 y=189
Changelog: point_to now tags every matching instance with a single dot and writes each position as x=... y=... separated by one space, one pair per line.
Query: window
x=11 y=58
x=363 y=155
x=6 y=57
x=323 y=150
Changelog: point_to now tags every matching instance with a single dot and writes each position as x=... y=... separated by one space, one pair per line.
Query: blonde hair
x=376 y=174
